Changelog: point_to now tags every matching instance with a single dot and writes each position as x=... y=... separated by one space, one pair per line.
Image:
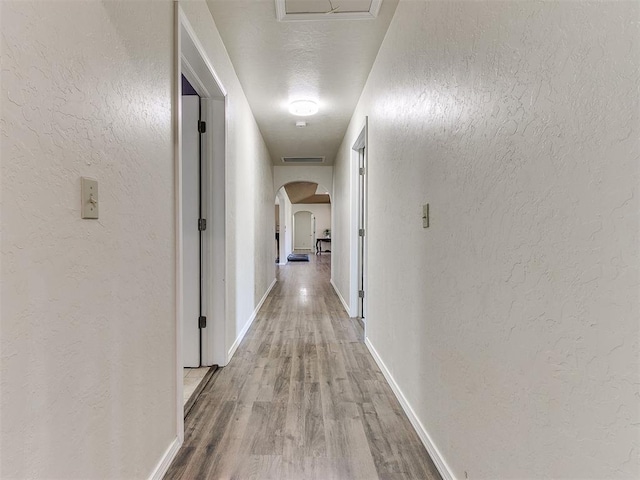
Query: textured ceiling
x=305 y=192
x=277 y=62
x=316 y=199
x=298 y=191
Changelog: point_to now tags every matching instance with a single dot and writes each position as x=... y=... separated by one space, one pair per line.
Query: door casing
x=192 y=62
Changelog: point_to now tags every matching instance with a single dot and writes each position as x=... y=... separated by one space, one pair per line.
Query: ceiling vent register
x=303 y=159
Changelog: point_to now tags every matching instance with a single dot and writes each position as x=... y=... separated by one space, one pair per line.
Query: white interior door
x=361 y=231
x=190 y=232
x=303 y=233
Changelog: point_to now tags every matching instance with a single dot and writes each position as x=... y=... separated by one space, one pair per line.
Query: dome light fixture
x=303 y=108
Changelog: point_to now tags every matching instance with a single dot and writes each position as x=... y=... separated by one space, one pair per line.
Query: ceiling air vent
x=303 y=159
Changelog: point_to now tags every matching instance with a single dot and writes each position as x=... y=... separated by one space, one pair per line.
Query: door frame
x=192 y=62
x=311 y=229
x=360 y=143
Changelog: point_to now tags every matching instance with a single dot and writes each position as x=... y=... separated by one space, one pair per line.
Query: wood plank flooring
x=301 y=399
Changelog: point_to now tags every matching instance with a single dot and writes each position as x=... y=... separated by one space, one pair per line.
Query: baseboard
x=344 y=304
x=245 y=329
x=165 y=461
x=437 y=458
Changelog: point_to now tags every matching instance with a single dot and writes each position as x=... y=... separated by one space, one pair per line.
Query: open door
x=193 y=226
x=361 y=230
x=358 y=226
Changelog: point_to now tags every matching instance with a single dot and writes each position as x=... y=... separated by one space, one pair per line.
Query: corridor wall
x=87 y=306
x=509 y=328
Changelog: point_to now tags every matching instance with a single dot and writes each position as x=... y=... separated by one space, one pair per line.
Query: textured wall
x=511 y=325
x=88 y=306
x=343 y=215
x=249 y=186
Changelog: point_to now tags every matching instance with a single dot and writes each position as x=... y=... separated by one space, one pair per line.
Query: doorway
x=358 y=268
x=361 y=230
x=200 y=217
x=303 y=228
x=193 y=240
x=302 y=195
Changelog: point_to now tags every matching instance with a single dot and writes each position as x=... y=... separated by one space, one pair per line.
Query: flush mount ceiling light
x=303 y=108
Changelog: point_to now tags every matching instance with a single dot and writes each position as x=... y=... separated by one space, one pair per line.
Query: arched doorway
x=295 y=197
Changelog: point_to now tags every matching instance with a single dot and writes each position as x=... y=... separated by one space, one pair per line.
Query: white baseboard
x=344 y=304
x=165 y=461
x=435 y=454
x=244 y=331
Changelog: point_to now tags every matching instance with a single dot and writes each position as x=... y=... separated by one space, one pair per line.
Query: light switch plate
x=425 y=216
x=89 y=197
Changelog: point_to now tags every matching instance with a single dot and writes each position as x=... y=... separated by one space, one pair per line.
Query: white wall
x=345 y=221
x=322 y=212
x=250 y=191
x=88 y=306
x=510 y=326
x=286 y=226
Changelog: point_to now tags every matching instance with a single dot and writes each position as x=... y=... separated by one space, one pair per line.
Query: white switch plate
x=89 y=197
x=425 y=216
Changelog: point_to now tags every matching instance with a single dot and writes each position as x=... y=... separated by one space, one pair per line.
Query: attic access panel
x=305 y=10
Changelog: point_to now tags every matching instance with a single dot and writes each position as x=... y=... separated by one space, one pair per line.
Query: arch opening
x=297 y=196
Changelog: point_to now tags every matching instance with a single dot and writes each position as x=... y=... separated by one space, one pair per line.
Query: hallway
x=478 y=166
x=301 y=399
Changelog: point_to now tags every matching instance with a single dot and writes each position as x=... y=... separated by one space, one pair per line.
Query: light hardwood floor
x=301 y=399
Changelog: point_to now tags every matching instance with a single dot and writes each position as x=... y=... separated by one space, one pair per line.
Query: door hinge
x=361 y=170
x=360 y=293
x=202 y=224
x=202 y=126
x=361 y=232
x=202 y=322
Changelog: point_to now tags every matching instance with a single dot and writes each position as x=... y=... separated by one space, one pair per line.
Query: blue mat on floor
x=298 y=257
